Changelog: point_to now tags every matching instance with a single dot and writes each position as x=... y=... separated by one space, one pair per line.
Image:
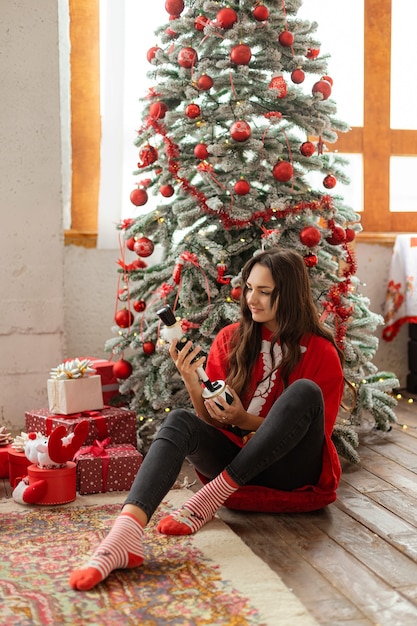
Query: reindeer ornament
x=51 y=478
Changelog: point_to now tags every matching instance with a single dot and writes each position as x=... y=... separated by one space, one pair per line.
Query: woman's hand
x=233 y=414
x=184 y=360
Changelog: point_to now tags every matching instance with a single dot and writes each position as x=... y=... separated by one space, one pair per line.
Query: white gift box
x=73 y=395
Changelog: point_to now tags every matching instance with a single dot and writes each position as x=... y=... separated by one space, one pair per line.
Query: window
x=383 y=154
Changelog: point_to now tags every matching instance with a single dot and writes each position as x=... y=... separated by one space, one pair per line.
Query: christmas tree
x=230 y=141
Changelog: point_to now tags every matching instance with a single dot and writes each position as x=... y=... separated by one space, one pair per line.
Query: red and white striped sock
x=122 y=548
x=200 y=508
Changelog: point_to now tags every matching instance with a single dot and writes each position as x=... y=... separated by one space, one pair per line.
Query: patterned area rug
x=211 y=578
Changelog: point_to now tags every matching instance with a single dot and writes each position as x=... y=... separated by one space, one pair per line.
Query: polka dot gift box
x=117 y=423
x=102 y=467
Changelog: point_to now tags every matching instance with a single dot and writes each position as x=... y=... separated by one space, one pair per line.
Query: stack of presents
x=78 y=444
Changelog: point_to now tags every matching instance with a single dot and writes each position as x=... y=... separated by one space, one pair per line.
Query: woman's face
x=259 y=288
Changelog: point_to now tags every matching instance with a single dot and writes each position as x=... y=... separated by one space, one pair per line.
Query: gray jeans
x=285 y=452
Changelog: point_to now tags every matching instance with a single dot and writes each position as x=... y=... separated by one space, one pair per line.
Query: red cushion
x=266 y=500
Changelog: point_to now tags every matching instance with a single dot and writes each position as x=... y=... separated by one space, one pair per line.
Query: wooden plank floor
x=354 y=563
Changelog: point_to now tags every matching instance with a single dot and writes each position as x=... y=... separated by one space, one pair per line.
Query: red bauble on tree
x=226 y=18
x=240 y=130
x=298 y=76
x=328 y=78
x=236 y=292
x=157 y=110
x=323 y=88
x=283 y=171
x=147 y=155
x=242 y=187
x=310 y=236
x=143 y=247
x=150 y=55
x=350 y=234
x=187 y=57
x=130 y=243
x=286 y=39
x=174 y=7
x=329 y=181
x=122 y=369
x=124 y=318
x=205 y=82
x=148 y=347
x=139 y=196
x=241 y=54
x=337 y=236
x=279 y=85
x=260 y=13
x=139 y=305
x=201 y=151
x=307 y=148
x=201 y=22
x=166 y=190
x=192 y=110
x=310 y=260
x=312 y=53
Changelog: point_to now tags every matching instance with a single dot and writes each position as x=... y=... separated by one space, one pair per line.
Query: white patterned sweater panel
x=269 y=374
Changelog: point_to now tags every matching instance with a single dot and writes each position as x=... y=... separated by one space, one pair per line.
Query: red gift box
x=109 y=382
x=4 y=461
x=60 y=483
x=18 y=464
x=117 y=423
x=103 y=467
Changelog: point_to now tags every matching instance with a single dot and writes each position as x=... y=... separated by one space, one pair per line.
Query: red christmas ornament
x=328 y=79
x=122 y=369
x=240 y=130
x=174 y=7
x=130 y=243
x=139 y=196
x=201 y=151
x=148 y=347
x=241 y=54
x=350 y=234
x=122 y=293
x=205 y=82
x=337 y=237
x=124 y=318
x=329 y=181
x=236 y=292
x=310 y=236
x=242 y=187
x=310 y=260
x=166 y=190
x=157 y=110
x=283 y=171
x=298 y=76
x=187 y=57
x=286 y=39
x=307 y=149
x=312 y=53
x=201 y=22
x=139 y=305
x=192 y=111
x=143 y=247
x=322 y=87
x=260 y=13
x=147 y=155
x=150 y=55
x=278 y=83
x=226 y=18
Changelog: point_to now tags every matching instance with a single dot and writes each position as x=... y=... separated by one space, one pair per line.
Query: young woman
x=285 y=374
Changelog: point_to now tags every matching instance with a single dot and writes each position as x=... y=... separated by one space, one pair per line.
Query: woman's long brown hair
x=296 y=315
